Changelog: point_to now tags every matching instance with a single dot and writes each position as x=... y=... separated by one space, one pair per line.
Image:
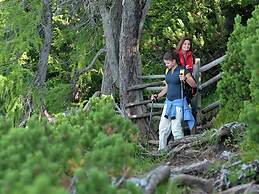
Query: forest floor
x=208 y=161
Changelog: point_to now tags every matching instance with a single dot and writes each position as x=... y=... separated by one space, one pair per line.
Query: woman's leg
x=164 y=130
x=176 y=124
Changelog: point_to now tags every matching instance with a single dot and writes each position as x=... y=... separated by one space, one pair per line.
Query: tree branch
x=143 y=16
x=84 y=70
x=88 y=105
x=78 y=73
x=28 y=106
x=50 y=118
x=119 y=110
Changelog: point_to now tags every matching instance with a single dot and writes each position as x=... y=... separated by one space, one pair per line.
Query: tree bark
x=42 y=64
x=122 y=24
x=45 y=50
x=108 y=85
x=192 y=181
x=130 y=63
x=111 y=19
x=155 y=177
x=130 y=66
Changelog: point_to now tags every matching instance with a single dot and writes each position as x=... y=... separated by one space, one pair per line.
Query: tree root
x=246 y=189
x=196 y=167
x=193 y=181
x=155 y=177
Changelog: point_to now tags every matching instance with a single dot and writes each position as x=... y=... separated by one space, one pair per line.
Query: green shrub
x=100 y=142
x=233 y=87
x=58 y=98
x=239 y=88
x=250 y=51
x=249 y=150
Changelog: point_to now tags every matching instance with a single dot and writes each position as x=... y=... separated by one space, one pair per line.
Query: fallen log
x=199 y=166
x=245 y=188
x=155 y=177
x=192 y=181
x=184 y=174
x=227 y=130
x=162 y=173
x=221 y=134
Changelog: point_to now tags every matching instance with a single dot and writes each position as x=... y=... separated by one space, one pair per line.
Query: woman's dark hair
x=170 y=55
x=179 y=46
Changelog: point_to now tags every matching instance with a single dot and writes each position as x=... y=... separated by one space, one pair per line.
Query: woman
x=172 y=115
x=186 y=59
x=185 y=53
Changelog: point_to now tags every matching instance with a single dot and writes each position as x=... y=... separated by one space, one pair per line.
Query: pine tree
x=239 y=88
x=233 y=88
x=96 y=146
x=250 y=52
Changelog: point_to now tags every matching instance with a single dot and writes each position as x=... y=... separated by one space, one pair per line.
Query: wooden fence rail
x=143 y=86
x=210 y=81
x=210 y=107
x=212 y=64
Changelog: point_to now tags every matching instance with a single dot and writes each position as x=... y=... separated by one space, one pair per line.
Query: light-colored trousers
x=168 y=125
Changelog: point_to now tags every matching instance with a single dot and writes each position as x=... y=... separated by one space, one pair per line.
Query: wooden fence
x=156 y=86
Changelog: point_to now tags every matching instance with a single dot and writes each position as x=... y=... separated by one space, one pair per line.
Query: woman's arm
x=190 y=80
x=160 y=94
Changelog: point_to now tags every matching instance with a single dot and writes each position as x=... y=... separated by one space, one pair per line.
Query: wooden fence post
x=197 y=97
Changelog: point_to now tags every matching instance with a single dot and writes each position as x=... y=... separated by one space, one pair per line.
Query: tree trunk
x=133 y=16
x=122 y=24
x=112 y=27
x=108 y=85
x=45 y=50
x=42 y=65
x=130 y=67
